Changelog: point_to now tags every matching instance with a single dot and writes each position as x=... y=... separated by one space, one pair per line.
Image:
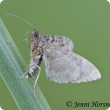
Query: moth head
x=34 y=34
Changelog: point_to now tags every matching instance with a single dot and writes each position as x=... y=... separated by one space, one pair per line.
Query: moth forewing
x=61 y=41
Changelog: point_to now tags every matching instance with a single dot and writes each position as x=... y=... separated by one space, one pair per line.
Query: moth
x=61 y=64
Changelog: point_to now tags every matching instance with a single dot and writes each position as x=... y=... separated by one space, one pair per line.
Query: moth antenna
x=27 y=33
x=21 y=19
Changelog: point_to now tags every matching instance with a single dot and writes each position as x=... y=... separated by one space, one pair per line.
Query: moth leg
x=28 y=64
x=34 y=63
x=36 y=78
x=26 y=71
x=21 y=41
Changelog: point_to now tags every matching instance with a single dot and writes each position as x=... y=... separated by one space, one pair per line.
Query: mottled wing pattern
x=61 y=41
x=64 y=67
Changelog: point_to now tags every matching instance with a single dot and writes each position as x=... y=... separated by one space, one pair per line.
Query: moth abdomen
x=32 y=71
x=33 y=67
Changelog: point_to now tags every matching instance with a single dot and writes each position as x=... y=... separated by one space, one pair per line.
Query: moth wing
x=61 y=41
x=64 y=67
x=88 y=71
x=58 y=67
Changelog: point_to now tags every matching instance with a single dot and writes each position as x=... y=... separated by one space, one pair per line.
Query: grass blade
x=12 y=67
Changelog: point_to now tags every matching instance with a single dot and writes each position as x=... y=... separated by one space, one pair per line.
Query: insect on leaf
x=61 y=64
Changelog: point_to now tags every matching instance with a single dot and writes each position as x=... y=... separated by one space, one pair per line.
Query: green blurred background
x=86 y=22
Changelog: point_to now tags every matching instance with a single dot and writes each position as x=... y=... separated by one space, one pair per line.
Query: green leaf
x=12 y=67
